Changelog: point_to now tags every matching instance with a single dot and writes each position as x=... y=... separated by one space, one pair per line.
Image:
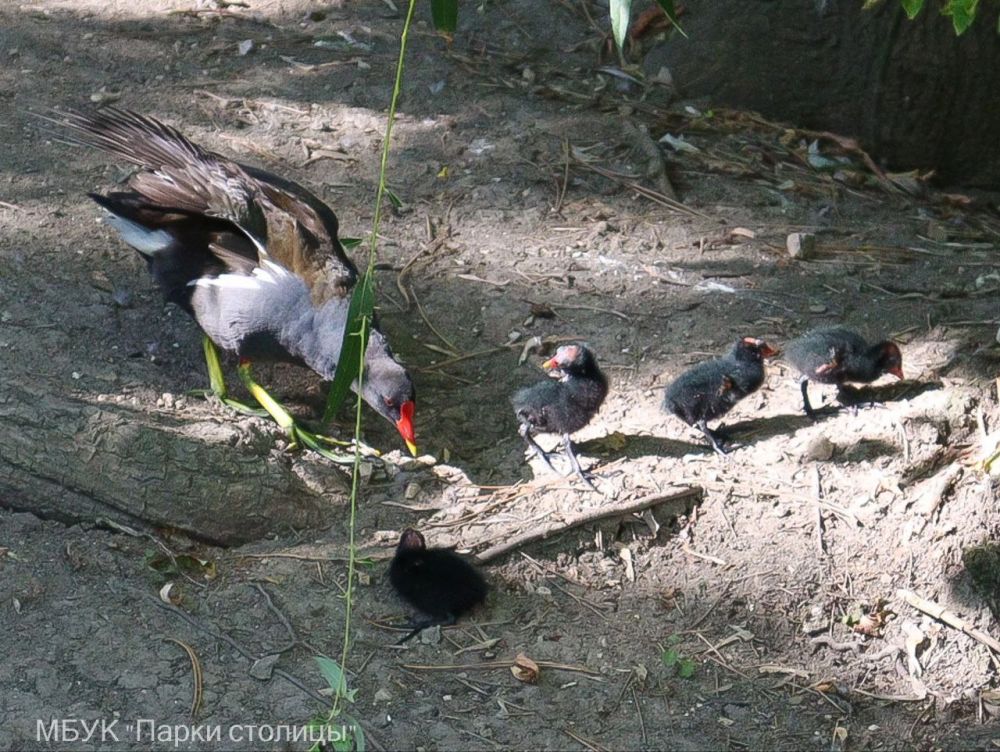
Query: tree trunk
x=68 y=459
x=915 y=95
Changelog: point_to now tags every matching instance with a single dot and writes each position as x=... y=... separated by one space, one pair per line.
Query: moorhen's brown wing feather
x=296 y=228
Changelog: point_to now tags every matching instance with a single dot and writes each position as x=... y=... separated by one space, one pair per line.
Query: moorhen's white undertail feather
x=254 y=258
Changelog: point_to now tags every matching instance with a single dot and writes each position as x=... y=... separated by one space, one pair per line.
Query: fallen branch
x=934 y=492
x=678 y=499
x=493 y=665
x=939 y=612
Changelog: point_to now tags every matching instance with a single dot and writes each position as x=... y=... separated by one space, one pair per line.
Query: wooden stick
x=952 y=620
x=493 y=665
x=818 y=493
x=677 y=499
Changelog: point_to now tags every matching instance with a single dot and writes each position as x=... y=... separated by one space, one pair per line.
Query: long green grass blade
x=671 y=12
x=620 y=12
x=445 y=15
x=352 y=349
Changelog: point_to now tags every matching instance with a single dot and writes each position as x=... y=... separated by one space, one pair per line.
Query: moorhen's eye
x=389 y=402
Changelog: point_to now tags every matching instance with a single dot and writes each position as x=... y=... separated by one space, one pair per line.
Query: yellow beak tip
x=412 y=447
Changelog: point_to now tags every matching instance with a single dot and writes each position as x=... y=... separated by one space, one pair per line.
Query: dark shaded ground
x=739 y=586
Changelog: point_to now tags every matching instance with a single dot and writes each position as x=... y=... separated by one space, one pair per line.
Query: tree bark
x=915 y=95
x=68 y=459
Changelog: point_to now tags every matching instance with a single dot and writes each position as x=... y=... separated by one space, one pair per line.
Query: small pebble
x=801 y=245
x=820 y=449
x=412 y=490
x=264 y=667
x=431 y=635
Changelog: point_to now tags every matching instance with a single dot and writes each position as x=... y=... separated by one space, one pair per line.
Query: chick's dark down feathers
x=435 y=581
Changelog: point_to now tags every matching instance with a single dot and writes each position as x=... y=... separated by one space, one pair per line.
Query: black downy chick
x=436 y=581
x=836 y=355
x=564 y=403
x=709 y=390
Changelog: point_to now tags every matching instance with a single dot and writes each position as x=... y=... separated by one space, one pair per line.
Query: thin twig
x=199 y=680
x=493 y=665
x=638 y=711
x=619 y=314
x=677 y=499
x=952 y=620
x=818 y=493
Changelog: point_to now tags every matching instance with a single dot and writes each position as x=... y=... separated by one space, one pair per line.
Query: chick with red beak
x=837 y=355
x=563 y=403
x=710 y=389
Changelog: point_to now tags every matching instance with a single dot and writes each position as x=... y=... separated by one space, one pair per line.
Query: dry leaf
x=741 y=232
x=626 y=557
x=542 y=311
x=525 y=669
x=169 y=597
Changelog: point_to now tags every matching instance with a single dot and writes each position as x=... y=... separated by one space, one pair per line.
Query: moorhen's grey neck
x=711 y=389
x=254 y=258
x=563 y=404
x=837 y=355
x=437 y=582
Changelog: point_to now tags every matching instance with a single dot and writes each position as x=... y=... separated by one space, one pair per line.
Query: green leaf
x=674 y=639
x=912 y=8
x=962 y=12
x=620 y=12
x=355 y=342
x=670 y=12
x=395 y=200
x=350 y=243
x=445 y=15
x=686 y=668
x=333 y=674
x=359 y=734
x=670 y=657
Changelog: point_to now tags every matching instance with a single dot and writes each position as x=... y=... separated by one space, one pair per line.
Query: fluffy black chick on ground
x=564 y=403
x=709 y=390
x=837 y=355
x=437 y=582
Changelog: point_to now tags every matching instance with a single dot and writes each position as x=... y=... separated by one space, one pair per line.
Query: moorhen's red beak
x=549 y=364
x=768 y=352
x=405 y=426
x=897 y=371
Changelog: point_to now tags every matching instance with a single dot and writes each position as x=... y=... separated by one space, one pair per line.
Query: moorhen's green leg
x=296 y=433
x=218 y=383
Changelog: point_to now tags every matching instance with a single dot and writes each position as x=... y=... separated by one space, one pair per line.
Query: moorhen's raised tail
x=709 y=390
x=563 y=404
x=836 y=355
x=254 y=258
x=437 y=582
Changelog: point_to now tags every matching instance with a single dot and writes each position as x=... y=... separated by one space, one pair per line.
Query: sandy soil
x=779 y=588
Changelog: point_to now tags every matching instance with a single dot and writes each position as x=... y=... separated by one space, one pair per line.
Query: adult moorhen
x=254 y=258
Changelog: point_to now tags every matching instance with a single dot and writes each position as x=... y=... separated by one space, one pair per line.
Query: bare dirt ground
x=779 y=587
